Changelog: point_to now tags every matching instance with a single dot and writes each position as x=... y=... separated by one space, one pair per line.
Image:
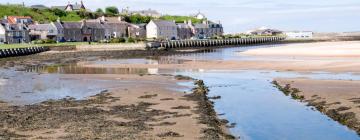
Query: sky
x=242 y=15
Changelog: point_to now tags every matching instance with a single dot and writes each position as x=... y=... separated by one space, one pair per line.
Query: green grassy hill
x=46 y=15
x=180 y=19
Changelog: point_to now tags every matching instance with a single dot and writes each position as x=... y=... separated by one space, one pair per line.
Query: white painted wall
x=2 y=34
x=151 y=30
x=299 y=35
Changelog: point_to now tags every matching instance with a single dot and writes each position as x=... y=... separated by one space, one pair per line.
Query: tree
x=111 y=11
x=59 y=12
x=99 y=11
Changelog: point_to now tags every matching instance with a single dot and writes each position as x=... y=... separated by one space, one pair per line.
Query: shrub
x=43 y=41
x=118 y=40
x=131 y=40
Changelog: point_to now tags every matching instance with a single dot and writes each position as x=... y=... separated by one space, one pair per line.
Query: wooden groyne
x=214 y=42
x=21 y=51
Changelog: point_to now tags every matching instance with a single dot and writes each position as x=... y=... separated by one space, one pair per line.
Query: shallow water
x=262 y=112
x=247 y=96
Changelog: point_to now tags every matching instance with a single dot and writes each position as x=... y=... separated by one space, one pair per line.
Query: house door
x=85 y=39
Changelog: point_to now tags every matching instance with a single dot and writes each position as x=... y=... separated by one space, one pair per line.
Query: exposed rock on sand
x=338 y=99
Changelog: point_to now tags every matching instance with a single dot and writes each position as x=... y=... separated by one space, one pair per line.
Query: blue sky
x=242 y=15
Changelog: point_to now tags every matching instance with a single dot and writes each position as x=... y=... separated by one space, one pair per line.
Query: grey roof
x=164 y=23
x=200 y=25
x=72 y=25
x=58 y=25
x=183 y=25
x=95 y=25
x=76 y=6
x=40 y=27
x=15 y=27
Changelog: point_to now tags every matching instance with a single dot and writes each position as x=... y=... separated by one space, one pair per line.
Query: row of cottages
x=169 y=30
x=13 y=29
x=103 y=28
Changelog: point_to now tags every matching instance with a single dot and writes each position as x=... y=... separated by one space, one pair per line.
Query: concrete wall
x=112 y=47
x=21 y=51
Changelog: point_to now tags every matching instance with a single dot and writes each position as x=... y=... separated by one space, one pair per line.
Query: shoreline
x=331 y=102
x=128 y=112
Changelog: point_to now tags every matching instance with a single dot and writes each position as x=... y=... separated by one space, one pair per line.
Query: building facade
x=43 y=31
x=184 y=31
x=161 y=30
x=16 y=33
x=71 y=7
x=114 y=27
x=265 y=31
x=19 y=20
x=299 y=34
x=83 y=31
x=2 y=34
x=137 y=31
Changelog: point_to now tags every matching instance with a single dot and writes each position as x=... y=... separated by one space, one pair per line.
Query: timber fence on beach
x=214 y=42
x=21 y=51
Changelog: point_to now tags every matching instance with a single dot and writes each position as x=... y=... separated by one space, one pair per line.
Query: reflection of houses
x=71 y=7
x=264 y=31
x=161 y=29
x=299 y=34
x=83 y=31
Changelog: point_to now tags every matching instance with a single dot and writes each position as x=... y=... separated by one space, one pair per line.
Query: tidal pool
x=260 y=111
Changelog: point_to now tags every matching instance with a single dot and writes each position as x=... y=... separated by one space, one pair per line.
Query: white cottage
x=299 y=34
x=2 y=34
x=161 y=29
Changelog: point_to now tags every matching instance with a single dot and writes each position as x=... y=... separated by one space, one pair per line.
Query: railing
x=21 y=51
x=215 y=42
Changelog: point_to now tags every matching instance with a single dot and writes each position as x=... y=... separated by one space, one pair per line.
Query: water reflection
x=75 y=69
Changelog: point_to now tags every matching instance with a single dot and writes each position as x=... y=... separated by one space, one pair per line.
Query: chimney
x=174 y=21
x=185 y=21
x=190 y=22
x=119 y=18
x=58 y=20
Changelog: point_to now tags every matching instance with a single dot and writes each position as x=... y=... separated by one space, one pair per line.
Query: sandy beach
x=339 y=99
x=148 y=109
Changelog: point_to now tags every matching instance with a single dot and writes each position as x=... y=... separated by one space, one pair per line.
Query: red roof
x=12 y=19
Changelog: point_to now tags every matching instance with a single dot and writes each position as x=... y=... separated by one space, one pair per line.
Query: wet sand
x=146 y=110
x=306 y=57
x=339 y=99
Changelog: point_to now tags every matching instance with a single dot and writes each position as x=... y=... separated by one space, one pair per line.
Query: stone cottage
x=16 y=33
x=162 y=30
x=184 y=30
x=2 y=34
x=137 y=31
x=83 y=31
x=43 y=31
